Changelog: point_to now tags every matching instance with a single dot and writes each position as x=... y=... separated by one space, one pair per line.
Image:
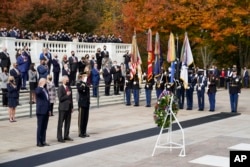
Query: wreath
x=162 y=107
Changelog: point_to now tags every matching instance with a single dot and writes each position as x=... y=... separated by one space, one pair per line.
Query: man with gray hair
x=65 y=109
x=5 y=59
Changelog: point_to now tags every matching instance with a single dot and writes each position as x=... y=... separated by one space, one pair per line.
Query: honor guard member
x=211 y=92
x=83 y=105
x=234 y=90
x=190 y=89
x=148 y=90
x=136 y=89
x=160 y=81
x=128 y=87
x=180 y=93
x=200 y=88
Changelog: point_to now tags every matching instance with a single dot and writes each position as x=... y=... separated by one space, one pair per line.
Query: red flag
x=150 y=55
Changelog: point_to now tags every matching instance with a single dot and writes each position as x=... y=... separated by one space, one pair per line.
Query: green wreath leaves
x=161 y=109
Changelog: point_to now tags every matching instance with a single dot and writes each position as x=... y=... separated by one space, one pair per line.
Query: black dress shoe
x=86 y=135
x=61 y=140
x=128 y=104
x=68 y=138
x=189 y=109
x=46 y=144
x=39 y=145
x=136 y=105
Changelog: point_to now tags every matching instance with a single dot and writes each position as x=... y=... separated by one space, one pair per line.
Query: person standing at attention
x=4 y=80
x=33 y=82
x=65 y=110
x=73 y=66
x=83 y=104
x=42 y=112
x=12 y=98
x=56 y=70
x=52 y=93
x=234 y=90
x=245 y=78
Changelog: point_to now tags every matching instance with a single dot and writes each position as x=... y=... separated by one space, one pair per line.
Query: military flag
x=171 y=56
x=136 y=62
x=157 y=53
x=186 y=59
x=150 y=55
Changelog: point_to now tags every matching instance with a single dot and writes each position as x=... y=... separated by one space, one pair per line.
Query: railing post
x=30 y=104
x=98 y=96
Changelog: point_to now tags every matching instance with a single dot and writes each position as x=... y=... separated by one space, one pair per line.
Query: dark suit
x=107 y=76
x=43 y=71
x=42 y=114
x=117 y=75
x=73 y=66
x=99 y=57
x=83 y=104
x=5 y=61
x=65 y=109
x=56 y=71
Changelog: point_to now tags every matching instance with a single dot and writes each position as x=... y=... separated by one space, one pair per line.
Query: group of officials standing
x=65 y=109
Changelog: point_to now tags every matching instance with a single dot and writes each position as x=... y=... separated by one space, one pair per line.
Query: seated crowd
x=59 y=35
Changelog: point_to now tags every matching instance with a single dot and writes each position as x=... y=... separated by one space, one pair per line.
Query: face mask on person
x=67 y=83
x=85 y=79
x=73 y=54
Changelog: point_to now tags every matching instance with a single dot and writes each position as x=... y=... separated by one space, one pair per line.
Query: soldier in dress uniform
x=160 y=81
x=148 y=90
x=128 y=87
x=200 y=88
x=190 y=89
x=234 y=90
x=180 y=93
x=83 y=105
x=211 y=92
x=136 y=89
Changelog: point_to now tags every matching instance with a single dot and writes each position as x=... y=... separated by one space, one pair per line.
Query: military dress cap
x=200 y=70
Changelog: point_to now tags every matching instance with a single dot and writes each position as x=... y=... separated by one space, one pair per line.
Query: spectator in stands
x=18 y=53
x=81 y=65
x=12 y=98
x=5 y=59
x=42 y=69
x=107 y=76
x=52 y=93
x=92 y=62
x=64 y=60
x=73 y=66
x=117 y=75
x=18 y=79
x=4 y=80
x=56 y=70
x=33 y=82
x=23 y=62
x=95 y=78
x=99 y=57
x=126 y=59
x=48 y=58
x=66 y=70
x=123 y=75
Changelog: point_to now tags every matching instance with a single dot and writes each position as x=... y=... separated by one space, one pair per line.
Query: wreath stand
x=170 y=144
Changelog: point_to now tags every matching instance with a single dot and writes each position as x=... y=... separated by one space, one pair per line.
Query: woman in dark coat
x=12 y=98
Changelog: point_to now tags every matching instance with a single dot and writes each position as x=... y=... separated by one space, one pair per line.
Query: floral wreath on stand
x=161 y=108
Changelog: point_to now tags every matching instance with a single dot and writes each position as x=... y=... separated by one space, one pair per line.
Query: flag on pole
x=187 y=59
x=171 y=56
x=136 y=62
x=150 y=55
x=157 y=52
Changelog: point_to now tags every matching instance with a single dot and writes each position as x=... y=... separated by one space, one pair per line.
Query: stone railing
x=116 y=50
